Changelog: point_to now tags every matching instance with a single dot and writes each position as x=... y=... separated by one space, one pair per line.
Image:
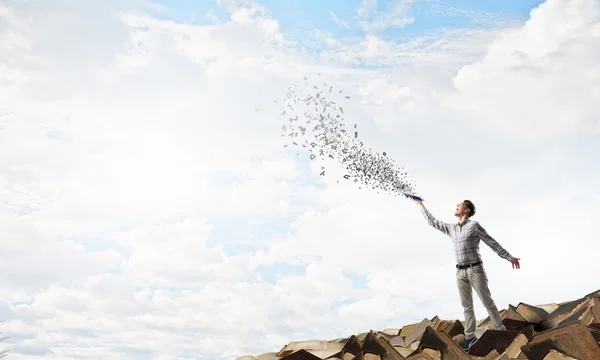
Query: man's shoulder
x=474 y=223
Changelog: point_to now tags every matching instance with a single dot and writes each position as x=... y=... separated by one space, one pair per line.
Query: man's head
x=465 y=208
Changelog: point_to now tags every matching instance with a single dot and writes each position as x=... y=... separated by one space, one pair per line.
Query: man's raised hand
x=419 y=202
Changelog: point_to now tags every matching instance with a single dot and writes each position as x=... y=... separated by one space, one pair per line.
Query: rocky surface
x=557 y=331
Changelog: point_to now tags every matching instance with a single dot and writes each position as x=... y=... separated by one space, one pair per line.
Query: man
x=470 y=273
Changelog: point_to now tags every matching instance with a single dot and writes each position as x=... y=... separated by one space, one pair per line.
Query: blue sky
x=308 y=15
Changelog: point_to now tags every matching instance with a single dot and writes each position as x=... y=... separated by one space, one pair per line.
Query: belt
x=468 y=265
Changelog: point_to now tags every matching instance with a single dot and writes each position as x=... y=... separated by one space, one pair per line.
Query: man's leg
x=466 y=299
x=479 y=280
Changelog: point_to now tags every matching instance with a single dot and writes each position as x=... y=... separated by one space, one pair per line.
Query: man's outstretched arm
x=498 y=249
x=431 y=220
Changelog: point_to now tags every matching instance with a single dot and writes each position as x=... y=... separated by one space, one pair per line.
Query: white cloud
x=556 y=50
x=338 y=21
x=396 y=15
x=366 y=7
x=138 y=154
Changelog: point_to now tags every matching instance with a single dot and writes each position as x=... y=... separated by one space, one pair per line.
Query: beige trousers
x=476 y=278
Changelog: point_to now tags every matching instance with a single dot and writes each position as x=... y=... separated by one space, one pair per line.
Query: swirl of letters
x=315 y=123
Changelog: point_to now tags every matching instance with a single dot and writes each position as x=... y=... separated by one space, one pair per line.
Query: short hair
x=469 y=204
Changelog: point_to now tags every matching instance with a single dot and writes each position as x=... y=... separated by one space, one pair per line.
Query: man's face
x=461 y=209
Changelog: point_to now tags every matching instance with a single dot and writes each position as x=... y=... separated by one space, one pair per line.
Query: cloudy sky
x=149 y=210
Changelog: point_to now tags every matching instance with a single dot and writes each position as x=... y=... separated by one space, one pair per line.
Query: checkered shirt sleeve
x=493 y=244
x=431 y=220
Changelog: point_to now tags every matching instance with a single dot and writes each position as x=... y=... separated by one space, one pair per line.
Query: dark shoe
x=468 y=343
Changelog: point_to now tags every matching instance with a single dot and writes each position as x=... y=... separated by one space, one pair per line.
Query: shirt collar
x=464 y=222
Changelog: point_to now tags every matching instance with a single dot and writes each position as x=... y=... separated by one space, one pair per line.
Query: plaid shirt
x=465 y=238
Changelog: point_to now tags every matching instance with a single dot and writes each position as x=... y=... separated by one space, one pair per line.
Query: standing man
x=470 y=273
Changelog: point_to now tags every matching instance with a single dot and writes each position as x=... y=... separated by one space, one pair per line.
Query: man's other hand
x=515 y=263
